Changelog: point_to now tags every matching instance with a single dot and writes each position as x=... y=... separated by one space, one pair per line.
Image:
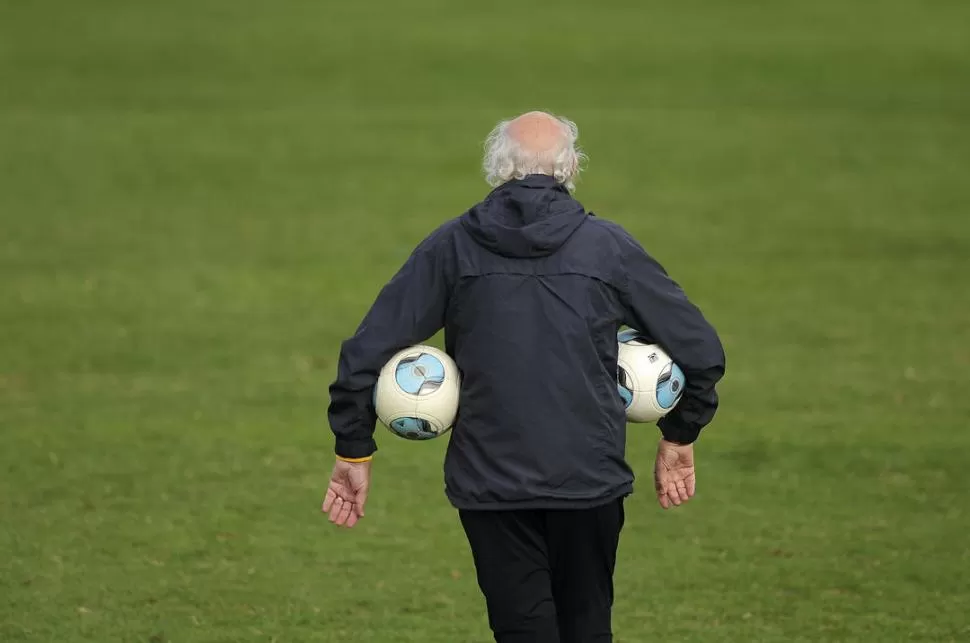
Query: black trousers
x=547 y=575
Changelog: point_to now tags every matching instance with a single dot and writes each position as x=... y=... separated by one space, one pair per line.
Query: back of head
x=533 y=143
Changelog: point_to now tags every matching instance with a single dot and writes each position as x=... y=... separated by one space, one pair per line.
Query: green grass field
x=199 y=200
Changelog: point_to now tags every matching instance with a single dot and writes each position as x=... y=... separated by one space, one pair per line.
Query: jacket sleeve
x=409 y=309
x=657 y=306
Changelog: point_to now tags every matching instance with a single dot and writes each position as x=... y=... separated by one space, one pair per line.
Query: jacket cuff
x=355 y=448
x=673 y=431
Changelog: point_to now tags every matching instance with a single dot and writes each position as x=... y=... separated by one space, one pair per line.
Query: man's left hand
x=347 y=493
x=673 y=473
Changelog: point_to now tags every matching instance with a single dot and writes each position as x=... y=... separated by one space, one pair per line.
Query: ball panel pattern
x=413 y=428
x=630 y=336
x=624 y=387
x=420 y=374
x=670 y=386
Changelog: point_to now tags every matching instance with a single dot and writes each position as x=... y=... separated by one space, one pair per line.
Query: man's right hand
x=673 y=473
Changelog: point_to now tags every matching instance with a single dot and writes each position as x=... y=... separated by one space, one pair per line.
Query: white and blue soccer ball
x=416 y=395
x=648 y=380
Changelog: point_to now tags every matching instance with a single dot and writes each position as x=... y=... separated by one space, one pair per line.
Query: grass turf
x=198 y=200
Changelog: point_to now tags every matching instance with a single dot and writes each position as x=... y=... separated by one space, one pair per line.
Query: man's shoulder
x=601 y=225
x=443 y=234
x=606 y=231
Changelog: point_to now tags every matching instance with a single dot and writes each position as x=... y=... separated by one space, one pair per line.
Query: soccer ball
x=649 y=382
x=416 y=395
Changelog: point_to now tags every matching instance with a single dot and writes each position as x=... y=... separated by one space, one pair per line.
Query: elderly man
x=531 y=290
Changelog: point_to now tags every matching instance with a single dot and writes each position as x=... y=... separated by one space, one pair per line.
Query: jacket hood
x=530 y=217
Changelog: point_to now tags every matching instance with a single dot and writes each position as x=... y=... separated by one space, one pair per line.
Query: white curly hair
x=553 y=152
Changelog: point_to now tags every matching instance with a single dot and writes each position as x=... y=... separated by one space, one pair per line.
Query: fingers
x=328 y=500
x=341 y=512
x=359 y=502
x=658 y=487
x=681 y=488
x=346 y=510
x=673 y=493
x=335 y=508
x=352 y=519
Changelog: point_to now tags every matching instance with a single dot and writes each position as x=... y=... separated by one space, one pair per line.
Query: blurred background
x=199 y=200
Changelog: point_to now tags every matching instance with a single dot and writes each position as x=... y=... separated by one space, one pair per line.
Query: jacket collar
x=535 y=181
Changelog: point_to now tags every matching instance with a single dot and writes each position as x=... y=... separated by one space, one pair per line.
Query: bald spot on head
x=537 y=132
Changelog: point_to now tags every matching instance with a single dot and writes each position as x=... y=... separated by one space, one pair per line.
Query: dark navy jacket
x=531 y=291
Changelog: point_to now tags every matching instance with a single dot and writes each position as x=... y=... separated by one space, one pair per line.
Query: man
x=531 y=290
